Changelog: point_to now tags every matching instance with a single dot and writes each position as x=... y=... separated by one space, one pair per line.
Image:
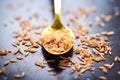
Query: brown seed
x=3 y=71
x=118 y=72
x=6 y=63
x=15 y=44
x=98 y=59
x=19 y=57
x=31 y=50
x=19 y=50
x=17 y=76
x=108 y=33
x=103 y=69
x=99 y=22
x=108 y=65
x=13 y=60
x=106 y=18
x=40 y=63
x=116 y=58
x=26 y=54
x=4 y=52
x=77 y=50
x=102 y=78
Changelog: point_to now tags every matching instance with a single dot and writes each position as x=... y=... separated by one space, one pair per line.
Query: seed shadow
x=57 y=59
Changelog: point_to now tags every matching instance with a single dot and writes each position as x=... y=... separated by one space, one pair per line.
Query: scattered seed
x=102 y=78
x=77 y=50
x=4 y=52
x=108 y=33
x=106 y=18
x=116 y=58
x=17 y=76
x=103 y=69
x=6 y=63
x=108 y=65
x=40 y=63
x=118 y=73
x=26 y=54
x=19 y=50
x=3 y=72
x=12 y=60
x=19 y=57
x=31 y=50
x=15 y=44
x=99 y=22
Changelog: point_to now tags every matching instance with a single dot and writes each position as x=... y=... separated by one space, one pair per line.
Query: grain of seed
x=77 y=50
x=17 y=76
x=116 y=58
x=108 y=65
x=12 y=60
x=118 y=72
x=3 y=71
x=31 y=50
x=26 y=54
x=6 y=63
x=15 y=44
x=103 y=69
x=19 y=57
x=102 y=78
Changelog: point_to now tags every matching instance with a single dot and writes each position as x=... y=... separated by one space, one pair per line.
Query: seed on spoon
x=57 y=39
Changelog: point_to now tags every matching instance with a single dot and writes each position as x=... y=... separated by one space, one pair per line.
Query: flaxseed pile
x=57 y=41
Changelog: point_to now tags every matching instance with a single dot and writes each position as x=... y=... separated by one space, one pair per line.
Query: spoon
x=57 y=39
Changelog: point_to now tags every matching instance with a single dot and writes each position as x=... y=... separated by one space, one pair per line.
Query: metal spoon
x=57 y=39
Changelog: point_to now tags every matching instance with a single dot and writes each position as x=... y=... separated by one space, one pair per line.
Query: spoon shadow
x=56 y=59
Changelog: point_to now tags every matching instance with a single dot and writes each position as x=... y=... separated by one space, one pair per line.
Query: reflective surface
x=22 y=7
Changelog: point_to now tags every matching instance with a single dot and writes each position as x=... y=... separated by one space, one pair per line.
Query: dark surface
x=41 y=6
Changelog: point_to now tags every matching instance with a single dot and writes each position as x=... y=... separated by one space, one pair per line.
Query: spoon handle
x=57 y=7
x=57 y=11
